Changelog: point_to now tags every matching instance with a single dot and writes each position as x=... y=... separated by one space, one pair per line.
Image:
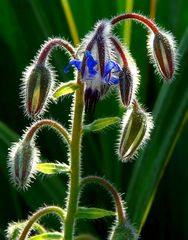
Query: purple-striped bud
x=23 y=157
x=163 y=54
x=126 y=86
x=38 y=82
x=137 y=125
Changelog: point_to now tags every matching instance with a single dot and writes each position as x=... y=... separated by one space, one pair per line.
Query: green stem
x=75 y=162
x=40 y=213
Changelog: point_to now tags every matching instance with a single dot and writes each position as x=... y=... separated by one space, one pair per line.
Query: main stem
x=75 y=163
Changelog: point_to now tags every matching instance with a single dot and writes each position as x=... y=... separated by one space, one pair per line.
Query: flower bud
x=126 y=86
x=124 y=232
x=23 y=157
x=137 y=125
x=163 y=54
x=38 y=83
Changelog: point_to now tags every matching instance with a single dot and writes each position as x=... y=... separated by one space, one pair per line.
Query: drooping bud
x=137 y=125
x=124 y=232
x=163 y=54
x=23 y=157
x=126 y=86
x=38 y=83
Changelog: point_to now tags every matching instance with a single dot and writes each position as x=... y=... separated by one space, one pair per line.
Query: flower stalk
x=39 y=214
x=75 y=157
x=134 y=16
x=117 y=199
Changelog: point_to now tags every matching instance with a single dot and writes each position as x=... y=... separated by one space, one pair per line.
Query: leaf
x=47 y=236
x=65 y=89
x=93 y=213
x=170 y=114
x=100 y=124
x=52 y=168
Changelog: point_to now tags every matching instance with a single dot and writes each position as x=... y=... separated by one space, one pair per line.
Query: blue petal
x=111 y=65
x=91 y=63
x=113 y=81
x=76 y=63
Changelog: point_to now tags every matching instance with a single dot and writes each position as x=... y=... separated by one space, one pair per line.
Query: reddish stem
x=149 y=23
x=47 y=122
x=120 y=50
x=117 y=199
x=48 y=46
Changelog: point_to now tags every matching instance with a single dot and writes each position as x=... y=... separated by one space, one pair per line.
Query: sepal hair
x=38 y=84
x=163 y=54
x=22 y=159
x=136 y=128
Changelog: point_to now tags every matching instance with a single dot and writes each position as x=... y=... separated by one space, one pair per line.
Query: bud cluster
x=102 y=62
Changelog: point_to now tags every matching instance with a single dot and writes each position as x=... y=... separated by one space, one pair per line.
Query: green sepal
x=52 y=168
x=47 y=236
x=100 y=124
x=66 y=88
x=92 y=213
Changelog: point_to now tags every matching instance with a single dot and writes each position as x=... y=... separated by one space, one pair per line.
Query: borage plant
x=101 y=63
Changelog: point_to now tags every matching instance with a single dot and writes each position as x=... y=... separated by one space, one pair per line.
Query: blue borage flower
x=95 y=83
x=111 y=67
x=98 y=67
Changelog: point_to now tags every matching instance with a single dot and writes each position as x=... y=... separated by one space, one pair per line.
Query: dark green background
x=24 y=25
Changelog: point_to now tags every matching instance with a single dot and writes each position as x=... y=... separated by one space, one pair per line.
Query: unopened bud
x=38 y=82
x=137 y=125
x=163 y=54
x=23 y=157
x=126 y=86
x=124 y=232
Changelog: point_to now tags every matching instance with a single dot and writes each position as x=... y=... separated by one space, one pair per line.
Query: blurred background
x=155 y=185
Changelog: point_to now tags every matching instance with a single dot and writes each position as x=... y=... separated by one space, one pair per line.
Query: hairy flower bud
x=124 y=232
x=162 y=47
x=38 y=82
x=23 y=157
x=137 y=125
x=126 y=86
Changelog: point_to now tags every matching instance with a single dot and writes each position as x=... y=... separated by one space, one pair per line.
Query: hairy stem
x=147 y=22
x=47 y=122
x=36 y=216
x=75 y=156
x=50 y=44
x=112 y=190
